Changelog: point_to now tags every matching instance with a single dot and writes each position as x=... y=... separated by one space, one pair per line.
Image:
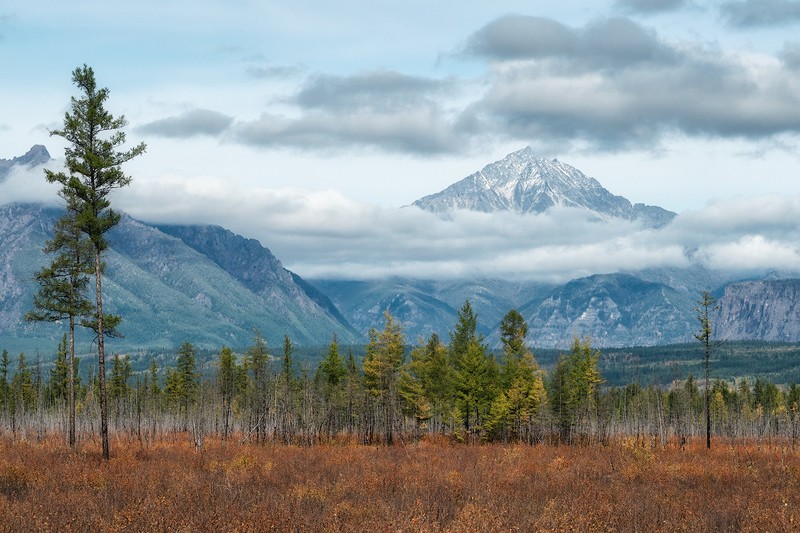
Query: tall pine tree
x=93 y=170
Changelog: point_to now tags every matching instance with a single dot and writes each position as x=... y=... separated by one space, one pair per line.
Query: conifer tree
x=518 y=406
x=574 y=385
x=465 y=331
x=121 y=370
x=155 y=389
x=173 y=389
x=4 y=385
x=429 y=363
x=152 y=395
x=230 y=380
x=513 y=331
x=474 y=372
x=382 y=366
x=59 y=374
x=287 y=364
x=257 y=362
x=331 y=377
x=63 y=285
x=187 y=377
x=331 y=369
x=287 y=383
x=703 y=309
x=354 y=391
x=23 y=390
x=93 y=162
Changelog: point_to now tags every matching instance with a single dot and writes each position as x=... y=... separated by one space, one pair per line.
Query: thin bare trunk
x=101 y=356
x=71 y=398
x=708 y=398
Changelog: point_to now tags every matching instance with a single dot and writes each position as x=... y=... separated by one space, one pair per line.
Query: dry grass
x=427 y=486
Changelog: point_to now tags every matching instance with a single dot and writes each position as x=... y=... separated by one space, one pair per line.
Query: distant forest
x=391 y=392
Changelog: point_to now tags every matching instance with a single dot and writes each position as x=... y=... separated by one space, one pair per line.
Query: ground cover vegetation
x=431 y=485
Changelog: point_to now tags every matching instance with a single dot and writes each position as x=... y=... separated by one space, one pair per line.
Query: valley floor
x=431 y=485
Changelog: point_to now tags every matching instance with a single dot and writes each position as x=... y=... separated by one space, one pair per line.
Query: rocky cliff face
x=611 y=310
x=764 y=310
x=526 y=183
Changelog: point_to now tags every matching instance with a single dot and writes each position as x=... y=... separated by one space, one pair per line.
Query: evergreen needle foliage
x=93 y=169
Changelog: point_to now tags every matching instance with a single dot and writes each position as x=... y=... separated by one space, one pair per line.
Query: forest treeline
x=458 y=388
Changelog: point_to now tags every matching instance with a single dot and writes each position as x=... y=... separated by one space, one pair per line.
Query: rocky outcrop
x=766 y=310
x=37 y=155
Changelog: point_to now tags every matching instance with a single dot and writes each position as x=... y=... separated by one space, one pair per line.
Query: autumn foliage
x=431 y=485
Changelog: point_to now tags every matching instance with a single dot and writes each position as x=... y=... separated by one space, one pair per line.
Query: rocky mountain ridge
x=167 y=291
x=613 y=310
x=766 y=310
x=526 y=183
x=37 y=155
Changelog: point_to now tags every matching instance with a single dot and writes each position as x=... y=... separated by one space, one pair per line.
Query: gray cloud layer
x=791 y=55
x=611 y=85
x=382 y=109
x=615 y=85
x=650 y=6
x=189 y=124
x=383 y=90
x=326 y=235
x=754 y=13
x=608 y=44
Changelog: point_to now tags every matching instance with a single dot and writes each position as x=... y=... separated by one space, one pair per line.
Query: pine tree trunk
x=708 y=399
x=72 y=381
x=101 y=356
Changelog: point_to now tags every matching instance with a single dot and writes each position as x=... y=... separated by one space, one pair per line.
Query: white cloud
x=325 y=234
x=29 y=185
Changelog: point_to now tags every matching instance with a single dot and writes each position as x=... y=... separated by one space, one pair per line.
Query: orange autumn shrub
x=427 y=486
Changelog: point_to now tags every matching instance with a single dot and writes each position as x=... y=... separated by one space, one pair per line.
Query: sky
x=308 y=125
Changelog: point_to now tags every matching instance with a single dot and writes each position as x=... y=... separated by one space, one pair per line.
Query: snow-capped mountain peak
x=526 y=183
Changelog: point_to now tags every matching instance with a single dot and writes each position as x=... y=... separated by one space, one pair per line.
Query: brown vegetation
x=431 y=485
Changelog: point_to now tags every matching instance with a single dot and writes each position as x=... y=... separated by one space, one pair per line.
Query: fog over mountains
x=206 y=284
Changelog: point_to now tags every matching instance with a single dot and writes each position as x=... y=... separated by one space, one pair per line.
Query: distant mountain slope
x=37 y=155
x=766 y=310
x=611 y=310
x=426 y=307
x=166 y=291
x=257 y=269
x=416 y=307
x=525 y=183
